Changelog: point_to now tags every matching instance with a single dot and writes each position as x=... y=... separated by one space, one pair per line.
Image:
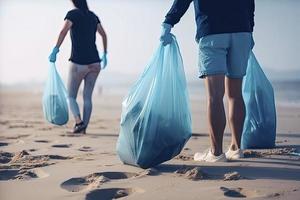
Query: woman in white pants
x=85 y=60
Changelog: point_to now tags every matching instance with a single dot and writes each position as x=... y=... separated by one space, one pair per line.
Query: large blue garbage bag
x=260 y=121
x=55 y=104
x=156 y=120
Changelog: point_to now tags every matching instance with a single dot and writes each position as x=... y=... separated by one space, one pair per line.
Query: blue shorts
x=225 y=53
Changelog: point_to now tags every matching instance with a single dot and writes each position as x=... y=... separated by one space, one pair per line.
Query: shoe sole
x=212 y=161
x=235 y=157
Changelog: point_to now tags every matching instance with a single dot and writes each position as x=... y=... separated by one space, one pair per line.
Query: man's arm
x=177 y=10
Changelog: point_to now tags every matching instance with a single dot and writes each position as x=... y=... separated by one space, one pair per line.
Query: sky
x=29 y=29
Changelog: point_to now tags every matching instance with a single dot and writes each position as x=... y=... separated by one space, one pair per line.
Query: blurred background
x=29 y=29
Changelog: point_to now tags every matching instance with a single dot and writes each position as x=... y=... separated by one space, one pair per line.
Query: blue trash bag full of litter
x=260 y=121
x=55 y=104
x=156 y=121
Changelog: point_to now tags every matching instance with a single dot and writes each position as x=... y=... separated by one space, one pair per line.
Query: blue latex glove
x=166 y=36
x=52 y=57
x=104 y=60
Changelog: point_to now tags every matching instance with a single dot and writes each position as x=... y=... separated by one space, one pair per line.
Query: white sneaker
x=234 y=154
x=208 y=156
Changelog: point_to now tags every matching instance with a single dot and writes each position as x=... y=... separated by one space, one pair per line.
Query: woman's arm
x=103 y=35
x=61 y=37
x=67 y=26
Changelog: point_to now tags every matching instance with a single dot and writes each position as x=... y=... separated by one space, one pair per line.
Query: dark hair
x=80 y=4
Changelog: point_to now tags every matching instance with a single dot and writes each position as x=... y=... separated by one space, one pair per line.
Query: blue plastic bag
x=260 y=121
x=55 y=104
x=156 y=120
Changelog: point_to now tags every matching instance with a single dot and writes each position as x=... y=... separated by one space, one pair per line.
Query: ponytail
x=81 y=4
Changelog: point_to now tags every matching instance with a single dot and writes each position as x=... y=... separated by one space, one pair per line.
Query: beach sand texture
x=42 y=161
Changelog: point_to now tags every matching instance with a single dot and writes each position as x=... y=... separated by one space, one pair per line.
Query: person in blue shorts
x=224 y=37
x=85 y=61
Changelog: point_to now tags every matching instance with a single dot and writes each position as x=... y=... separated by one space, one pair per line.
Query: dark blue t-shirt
x=216 y=16
x=83 y=36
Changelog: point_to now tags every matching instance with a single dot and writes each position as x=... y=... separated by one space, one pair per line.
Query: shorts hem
x=235 y=76
x=205 y=74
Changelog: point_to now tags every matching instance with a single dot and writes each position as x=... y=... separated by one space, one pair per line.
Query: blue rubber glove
x=104 y=60
x=52 y=57
x=166 y=36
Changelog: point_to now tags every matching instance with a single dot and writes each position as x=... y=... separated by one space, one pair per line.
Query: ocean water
x=287 y=93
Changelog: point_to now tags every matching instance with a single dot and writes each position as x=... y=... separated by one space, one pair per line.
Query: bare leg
x=236 y=110
x=216 y=113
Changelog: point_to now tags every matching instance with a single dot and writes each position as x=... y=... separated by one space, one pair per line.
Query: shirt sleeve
x=98 y=20
x=70 y=16
x=177 y=10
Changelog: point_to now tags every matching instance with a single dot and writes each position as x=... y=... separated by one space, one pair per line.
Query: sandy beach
x=42 y=161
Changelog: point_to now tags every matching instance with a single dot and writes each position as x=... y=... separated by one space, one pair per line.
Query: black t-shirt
x=83 y=36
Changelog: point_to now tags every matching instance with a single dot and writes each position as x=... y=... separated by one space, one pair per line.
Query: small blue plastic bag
x=156 y=120
x=55 y=104
x=260 y=121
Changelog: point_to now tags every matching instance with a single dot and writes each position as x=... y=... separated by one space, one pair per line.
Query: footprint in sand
x=4 y=122
x=16 y=137
x=20 y=126
x=5 y=157
x=2 y=144
x=85 y=149
x=61 y=145
x=24 y=160
x=42 y=141
x=270 y=152
x=184 y=157
x=70 y=134
x=45 y=128
x=239 y=192
x=17 y=174
x=109 y=193
x=108 y=153
x=192 y=173
x=94 y=180
x=58 y=157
